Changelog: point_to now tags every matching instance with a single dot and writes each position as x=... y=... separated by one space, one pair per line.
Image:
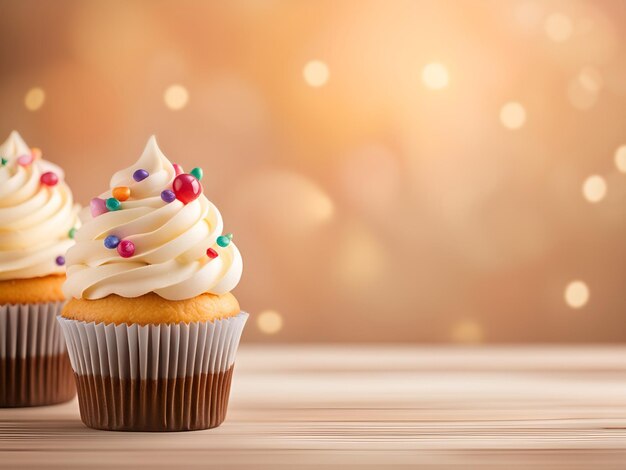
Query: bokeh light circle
x=576 y=294
x=435 y=76
x=513 y=115
x=594 y=188
x=558 y=27
x=269 y=322
x=316 y=73
x=620 y=158
x=34 y=99
x=176 y=97
x=467 y=332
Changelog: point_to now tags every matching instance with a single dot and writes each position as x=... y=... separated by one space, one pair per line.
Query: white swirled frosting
x=170 y=239
x=35 y=218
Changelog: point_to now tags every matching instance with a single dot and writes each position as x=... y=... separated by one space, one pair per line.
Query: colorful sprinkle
x=187 y=188
x=97 y=206
x=168 y=196
x=36 y=153
x=49 y=178
x=178 y=169
x=211 y=253
x=113 y=204
x=224 y=240
x=25 y=160
x=140 y=175
x=72 y=233
x=126 y=249
x=121 y=193
x=4 y=161
x=197 y=172
x=111 y=242
x=60 y=260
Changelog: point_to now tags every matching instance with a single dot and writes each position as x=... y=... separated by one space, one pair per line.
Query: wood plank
x=370 y=406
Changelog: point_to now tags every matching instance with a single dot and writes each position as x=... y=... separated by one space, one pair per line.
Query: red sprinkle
x=126 y=249
x=186 y=188
x=211 y=253
x=49 y=178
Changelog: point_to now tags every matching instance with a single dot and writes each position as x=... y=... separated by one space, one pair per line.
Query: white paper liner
x=152 y=351
x=29 y=330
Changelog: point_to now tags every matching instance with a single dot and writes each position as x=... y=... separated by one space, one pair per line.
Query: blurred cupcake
x=152 y=328
x=38 y=219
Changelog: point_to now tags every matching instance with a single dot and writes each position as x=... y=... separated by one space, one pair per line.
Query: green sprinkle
x=113 y=204
x=4 y=161
x=224 y=240
x=72 y=233
x=197 y=172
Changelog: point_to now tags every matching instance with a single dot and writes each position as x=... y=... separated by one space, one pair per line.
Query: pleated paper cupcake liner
x=170 y=377
x=34 y=365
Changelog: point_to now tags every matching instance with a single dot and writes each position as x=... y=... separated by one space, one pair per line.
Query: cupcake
x=151 y=326
x=38 y=219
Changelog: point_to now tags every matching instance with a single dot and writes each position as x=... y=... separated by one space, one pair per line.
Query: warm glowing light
x=467 y=332
x=435 y=76
x=529 y=14
x=579 y=96
x=512 y=115
x=361 y=261
x=583 y=90
x=34 y=99
x=590 y=79
x=176 y=97
x=577 y=294
x=288 y=203
x=594 y=188
x=620 y=158
x=370 y=163
x=269 y=322
x=558 y=27
x=316 y=73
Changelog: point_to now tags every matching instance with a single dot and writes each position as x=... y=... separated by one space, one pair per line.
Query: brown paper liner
x=181 y=404
x=36 y=381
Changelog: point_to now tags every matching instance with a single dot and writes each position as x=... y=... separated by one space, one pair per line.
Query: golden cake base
x=151 y=309
x=32 y=291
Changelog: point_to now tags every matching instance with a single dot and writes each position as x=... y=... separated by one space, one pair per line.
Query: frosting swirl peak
x=143 y=236
x=37 y=213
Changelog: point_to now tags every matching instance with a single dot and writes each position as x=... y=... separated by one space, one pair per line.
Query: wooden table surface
x=382 y=407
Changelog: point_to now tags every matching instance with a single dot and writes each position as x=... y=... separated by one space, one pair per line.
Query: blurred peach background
x=404 y=171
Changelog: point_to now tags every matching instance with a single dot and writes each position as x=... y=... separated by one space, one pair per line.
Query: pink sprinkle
x=126 y=248
x=98 y=207
x=25 y=160
x=178 y=169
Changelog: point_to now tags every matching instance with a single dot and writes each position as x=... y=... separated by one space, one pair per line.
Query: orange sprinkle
x=36 y=153
x=121 y=193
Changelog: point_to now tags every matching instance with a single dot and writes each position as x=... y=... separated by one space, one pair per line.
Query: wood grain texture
x=376 y=407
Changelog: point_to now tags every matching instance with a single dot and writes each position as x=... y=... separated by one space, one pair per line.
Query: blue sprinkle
x=111 y=242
